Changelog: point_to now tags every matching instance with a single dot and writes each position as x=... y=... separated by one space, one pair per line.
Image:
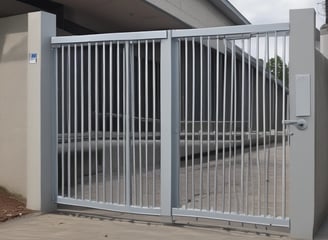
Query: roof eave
x=230 y=11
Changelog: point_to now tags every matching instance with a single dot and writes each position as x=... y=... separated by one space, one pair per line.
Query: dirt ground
x=11 y=206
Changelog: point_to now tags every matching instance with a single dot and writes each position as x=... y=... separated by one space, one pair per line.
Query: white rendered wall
x=13 y=84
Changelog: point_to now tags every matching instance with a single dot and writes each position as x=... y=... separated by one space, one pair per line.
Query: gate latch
x=301 y=124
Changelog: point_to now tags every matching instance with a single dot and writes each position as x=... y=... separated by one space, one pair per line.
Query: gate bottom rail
x=233 y=217
x=109 y=206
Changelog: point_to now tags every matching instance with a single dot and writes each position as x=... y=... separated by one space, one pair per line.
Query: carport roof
x=100 y=16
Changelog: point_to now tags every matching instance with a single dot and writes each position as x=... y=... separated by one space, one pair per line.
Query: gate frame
x=160 y=35
x=195 y=213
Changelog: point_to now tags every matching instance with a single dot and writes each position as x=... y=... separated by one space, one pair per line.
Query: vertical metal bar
x=69 y=121
x=242 y=125
x=270 y=115
x=288 y=117
x=82 y=123
x=139 y=122
x=96 y=118
x=124 y=112
x=104 y=123
x=118 y=99
x=154 y=122
x=258 y=128
x=133 y=127
x=63 y=120
x=265 y=158
x=75 y=123
x=186 y=122
x=230 y=121
x=275 y=128
x=224 y=121
x=175 y=113
x=111 y=120
x=216 y=121
x=146 y=122
x=193 y=126
x=179 y=74
x=127 y=125
x=201 y=125
x=208 y=119
x=235 y=127
x=57 y=121
x=283 y=180
x=253 y=118
x=89 y=119
x=249 y=164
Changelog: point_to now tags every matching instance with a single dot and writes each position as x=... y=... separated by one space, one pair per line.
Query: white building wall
x=13 y=83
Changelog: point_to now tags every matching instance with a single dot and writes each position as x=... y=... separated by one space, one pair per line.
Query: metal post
x=302 y=149
x=169 y=87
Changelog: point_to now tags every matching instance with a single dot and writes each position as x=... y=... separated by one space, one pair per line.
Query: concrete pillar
x=302 y=150
x=41 y=118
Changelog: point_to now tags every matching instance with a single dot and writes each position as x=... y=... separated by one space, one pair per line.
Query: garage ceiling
x=102 y=16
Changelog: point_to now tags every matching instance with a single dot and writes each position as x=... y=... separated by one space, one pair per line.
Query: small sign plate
x=33 y=58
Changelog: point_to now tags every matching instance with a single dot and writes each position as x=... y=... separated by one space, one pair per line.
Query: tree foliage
x=271 y=65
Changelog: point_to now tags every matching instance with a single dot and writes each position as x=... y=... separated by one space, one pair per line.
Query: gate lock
x=301 y=124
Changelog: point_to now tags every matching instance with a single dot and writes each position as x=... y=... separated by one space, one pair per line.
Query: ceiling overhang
x=105 y=16
x=102 y=16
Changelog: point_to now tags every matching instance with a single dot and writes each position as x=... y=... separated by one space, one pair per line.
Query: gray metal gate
x=233 y=143
x=109 y=121
x=176 y=123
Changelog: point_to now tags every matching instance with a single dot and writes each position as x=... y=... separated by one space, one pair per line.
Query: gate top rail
x=162 y=34
x=231 y=30
x=124 y=36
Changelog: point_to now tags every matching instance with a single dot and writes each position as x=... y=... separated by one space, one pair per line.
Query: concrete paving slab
x=55 y=227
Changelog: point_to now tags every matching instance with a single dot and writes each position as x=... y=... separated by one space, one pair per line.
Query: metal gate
x=214 y=148
x=108 y=114
x=234 y=98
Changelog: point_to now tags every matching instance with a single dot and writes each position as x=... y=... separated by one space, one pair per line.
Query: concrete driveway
x=56 y=226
